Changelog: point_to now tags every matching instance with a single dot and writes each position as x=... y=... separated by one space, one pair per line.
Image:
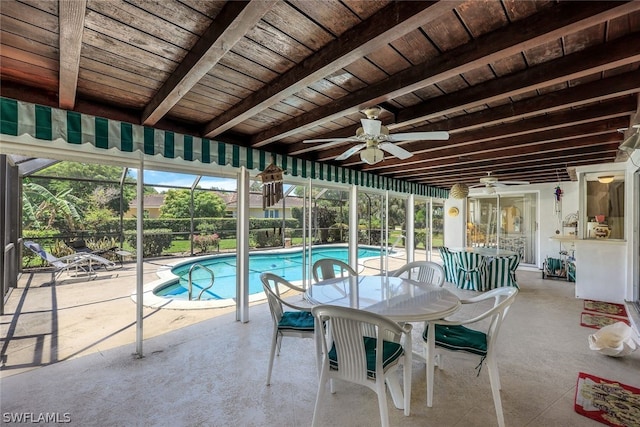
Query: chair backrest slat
x=423 y=271
x=326 y=268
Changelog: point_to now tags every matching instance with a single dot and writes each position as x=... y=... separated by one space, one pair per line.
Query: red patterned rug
x=605 y=307
x=608 y=402
x=597 y=320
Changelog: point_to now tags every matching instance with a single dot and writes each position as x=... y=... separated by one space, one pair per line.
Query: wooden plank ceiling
x=526 y=89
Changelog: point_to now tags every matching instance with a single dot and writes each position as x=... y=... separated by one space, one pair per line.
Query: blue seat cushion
x=390 y=352
x=296 y=320
x=460 y=338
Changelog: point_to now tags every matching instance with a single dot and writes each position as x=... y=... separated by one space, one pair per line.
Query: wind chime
x=271 y=185
x=558 y=204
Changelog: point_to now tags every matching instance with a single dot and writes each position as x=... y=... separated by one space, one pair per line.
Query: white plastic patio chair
x=364 y=348
x=298 y=323
x=427 y=272
x=330 y=268
x=453 y=335
x=78 y=262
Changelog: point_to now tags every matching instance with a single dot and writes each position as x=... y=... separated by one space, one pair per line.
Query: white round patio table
x=400 y=299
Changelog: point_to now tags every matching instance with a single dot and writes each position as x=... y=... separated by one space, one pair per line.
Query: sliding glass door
x=505 y=222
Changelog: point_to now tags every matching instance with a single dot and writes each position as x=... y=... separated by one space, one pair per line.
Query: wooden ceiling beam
x=550 y=175
x=390 y=23
x=528 y=175
x=599 y=90
x=498 y=166
x=71 y=20
x=507 y=174
x=597 y=112
x=577 y=65
x=511 y=151
x=234 y=21
x=538 y=29
x=513 y=143
x=603 y=156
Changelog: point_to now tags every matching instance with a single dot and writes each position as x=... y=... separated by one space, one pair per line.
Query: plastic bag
x=616 y=340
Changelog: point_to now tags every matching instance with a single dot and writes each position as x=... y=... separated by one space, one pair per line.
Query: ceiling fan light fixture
x=372 y=155
x=606 y=179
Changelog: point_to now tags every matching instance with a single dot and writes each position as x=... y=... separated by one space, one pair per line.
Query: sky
x=183 y=180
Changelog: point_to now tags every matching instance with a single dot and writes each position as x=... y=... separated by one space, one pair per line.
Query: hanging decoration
x=459 y=191
x=558 y=193
x=558 y=204
x=271 y=185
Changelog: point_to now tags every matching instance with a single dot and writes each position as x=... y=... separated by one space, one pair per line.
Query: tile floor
x=203 y=368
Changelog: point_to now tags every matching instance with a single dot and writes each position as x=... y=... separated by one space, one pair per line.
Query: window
x=604 y=206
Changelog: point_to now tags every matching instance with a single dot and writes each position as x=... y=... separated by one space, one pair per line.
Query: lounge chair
x=78 y=262
x=79 y=245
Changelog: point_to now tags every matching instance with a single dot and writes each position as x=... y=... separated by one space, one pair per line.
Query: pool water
x=285 y=264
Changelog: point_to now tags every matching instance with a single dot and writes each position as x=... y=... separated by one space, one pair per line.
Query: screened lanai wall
x=44 y=132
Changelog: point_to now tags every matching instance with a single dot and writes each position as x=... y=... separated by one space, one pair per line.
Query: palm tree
x=45 y=210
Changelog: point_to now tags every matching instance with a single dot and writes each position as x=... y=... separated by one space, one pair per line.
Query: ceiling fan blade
x=418 y=136
x=507 y=183
x=350 y=152
x=399 y=152
x=308 y=141
x=371 y=127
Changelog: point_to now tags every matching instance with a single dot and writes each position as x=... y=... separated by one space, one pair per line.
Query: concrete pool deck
x=45 y=324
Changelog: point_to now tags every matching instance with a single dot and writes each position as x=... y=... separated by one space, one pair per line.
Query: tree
x=205 y=204
x=396 y=212
x=43 y=210
x=86 y=186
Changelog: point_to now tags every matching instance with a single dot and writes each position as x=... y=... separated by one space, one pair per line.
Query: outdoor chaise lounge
x=79 y=245
x=78 y=262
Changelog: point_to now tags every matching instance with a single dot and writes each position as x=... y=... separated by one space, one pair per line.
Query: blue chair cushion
x=390 y=352
x=460 y=338
x=297 y=320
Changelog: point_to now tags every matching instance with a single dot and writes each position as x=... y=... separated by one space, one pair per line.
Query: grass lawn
x=182 y=246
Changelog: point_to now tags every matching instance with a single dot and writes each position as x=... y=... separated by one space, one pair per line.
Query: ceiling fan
x=374 y=139
x=490 y=182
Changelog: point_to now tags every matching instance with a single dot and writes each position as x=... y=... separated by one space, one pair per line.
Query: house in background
x=255 y=206
x=152 y=205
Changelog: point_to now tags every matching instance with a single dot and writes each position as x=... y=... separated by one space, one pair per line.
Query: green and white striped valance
x=48 y=124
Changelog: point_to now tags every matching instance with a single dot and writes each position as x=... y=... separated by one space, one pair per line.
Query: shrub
x=339 y=232
x=266 y=238
x=206 y=241
x=155 y=241
x=364 y=233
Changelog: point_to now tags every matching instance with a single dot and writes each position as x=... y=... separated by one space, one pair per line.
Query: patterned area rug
x=597 y=320
x=605 y=307
x=608 y=402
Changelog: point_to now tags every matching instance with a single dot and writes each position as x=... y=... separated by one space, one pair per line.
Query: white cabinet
x=600 y=269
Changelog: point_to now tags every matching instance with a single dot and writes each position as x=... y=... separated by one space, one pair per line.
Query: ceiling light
x=605 y=179
x=490 y=189
x=371 y=155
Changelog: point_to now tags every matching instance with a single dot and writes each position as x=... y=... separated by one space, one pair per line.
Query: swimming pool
x=284 y=263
